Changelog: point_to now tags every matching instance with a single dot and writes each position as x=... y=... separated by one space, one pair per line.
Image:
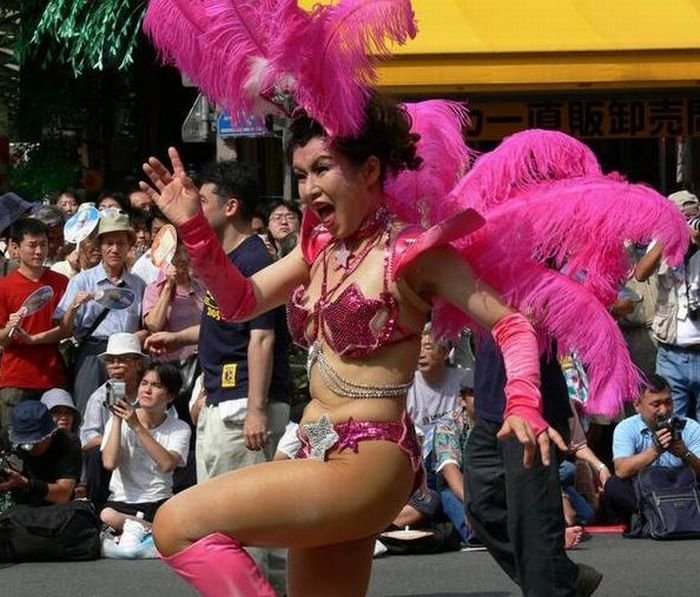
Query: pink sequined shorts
x=317 y=439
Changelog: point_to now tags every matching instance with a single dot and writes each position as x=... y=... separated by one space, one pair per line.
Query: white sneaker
x=133 y=533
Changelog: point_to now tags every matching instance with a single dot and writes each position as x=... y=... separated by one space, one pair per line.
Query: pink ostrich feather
x=236 y=42
x=560 y=308
x=244 y=53
x=521 y=160
x=176 y=26
x=290 y=49
x=440 y=123
x=547 y=205
x=349 y=38
x=583 y=223
x=220 y=44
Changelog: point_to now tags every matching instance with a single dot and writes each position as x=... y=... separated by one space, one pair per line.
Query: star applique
x=322 y=437
x=342 y=256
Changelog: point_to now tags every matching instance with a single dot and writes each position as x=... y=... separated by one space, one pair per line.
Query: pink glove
x=232 y=291
x=518 y=343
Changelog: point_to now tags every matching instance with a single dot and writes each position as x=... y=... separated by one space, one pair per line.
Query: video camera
x=115 y=391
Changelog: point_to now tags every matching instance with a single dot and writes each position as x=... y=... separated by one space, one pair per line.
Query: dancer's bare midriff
x=391 y=365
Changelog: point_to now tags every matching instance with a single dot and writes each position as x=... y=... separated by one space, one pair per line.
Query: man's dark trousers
x=517 y=513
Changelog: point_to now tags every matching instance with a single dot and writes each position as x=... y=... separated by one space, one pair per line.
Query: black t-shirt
x=223 y=345
x=490 y=381
x=62 y=460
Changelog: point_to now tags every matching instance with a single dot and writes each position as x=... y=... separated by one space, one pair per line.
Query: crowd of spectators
x=165 y=393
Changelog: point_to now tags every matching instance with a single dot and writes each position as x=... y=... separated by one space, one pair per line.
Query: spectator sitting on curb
x=639 y=442
x=62 y=409
x=576 y=508
x=435 y=389
x=124 y=362
x=449 y=440
x=142 y=446
x=50 y=458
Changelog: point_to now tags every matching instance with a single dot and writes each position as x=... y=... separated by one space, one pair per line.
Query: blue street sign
x=251 y=126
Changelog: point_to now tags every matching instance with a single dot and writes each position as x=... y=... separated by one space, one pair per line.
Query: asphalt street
x=632 y=568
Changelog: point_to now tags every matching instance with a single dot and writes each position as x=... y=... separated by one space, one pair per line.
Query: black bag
x=189 y=369
x=440 y=537
x=669 y=503
x=69 y=348
x=59 y=532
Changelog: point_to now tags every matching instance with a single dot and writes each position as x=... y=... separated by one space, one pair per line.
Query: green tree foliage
x=85 y=34
x=50 y=167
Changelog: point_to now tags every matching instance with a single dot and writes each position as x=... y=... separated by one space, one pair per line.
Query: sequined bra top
x=350 y=323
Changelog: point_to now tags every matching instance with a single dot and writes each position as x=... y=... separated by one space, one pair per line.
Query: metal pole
x=663 y=182
x=287 y=167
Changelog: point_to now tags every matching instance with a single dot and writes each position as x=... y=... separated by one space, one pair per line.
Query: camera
x=9 y=459
x=693 y=301
x=673 y=424
x=116 y=390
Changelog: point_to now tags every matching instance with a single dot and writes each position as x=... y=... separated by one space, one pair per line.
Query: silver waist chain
x=347 y=388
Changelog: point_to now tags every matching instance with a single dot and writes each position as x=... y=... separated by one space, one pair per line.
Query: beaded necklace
x=380 y=221
x=370 y=225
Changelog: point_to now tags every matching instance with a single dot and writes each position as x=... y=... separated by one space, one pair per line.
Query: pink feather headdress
x=260 y=56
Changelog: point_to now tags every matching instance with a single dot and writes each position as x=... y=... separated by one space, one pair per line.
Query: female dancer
x=360 y=284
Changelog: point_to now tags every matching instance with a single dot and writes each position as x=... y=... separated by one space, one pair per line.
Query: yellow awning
x=479 y=45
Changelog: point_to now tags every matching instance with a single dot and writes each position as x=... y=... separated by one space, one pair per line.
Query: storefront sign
x=252 y=126
x=590 y=118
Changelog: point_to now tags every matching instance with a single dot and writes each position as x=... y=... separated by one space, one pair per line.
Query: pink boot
x=218 y=566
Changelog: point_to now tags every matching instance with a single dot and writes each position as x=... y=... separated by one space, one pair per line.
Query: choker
x=378 y=220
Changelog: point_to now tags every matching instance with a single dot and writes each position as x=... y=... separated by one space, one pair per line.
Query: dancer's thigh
x=340 y=570
x=293 y=503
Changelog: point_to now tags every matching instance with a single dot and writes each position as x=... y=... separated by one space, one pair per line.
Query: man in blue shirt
x=646 y=439
x=78 y=312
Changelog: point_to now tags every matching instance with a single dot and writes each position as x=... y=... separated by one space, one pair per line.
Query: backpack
x=58 y=532
x=669 y=503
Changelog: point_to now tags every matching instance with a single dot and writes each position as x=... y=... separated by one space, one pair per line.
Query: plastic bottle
x=134 y=531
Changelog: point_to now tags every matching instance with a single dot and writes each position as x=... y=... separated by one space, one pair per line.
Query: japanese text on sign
x=594 y=118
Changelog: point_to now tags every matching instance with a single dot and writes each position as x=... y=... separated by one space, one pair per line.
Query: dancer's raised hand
x=174 y=193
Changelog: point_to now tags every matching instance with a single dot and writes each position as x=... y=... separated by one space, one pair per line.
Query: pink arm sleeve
x=517 y=340
x=232 y=291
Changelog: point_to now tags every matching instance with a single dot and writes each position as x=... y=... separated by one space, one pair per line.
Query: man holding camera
x=655 y=436
x=50 y=458
x=676 y=323
x=124 y=363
